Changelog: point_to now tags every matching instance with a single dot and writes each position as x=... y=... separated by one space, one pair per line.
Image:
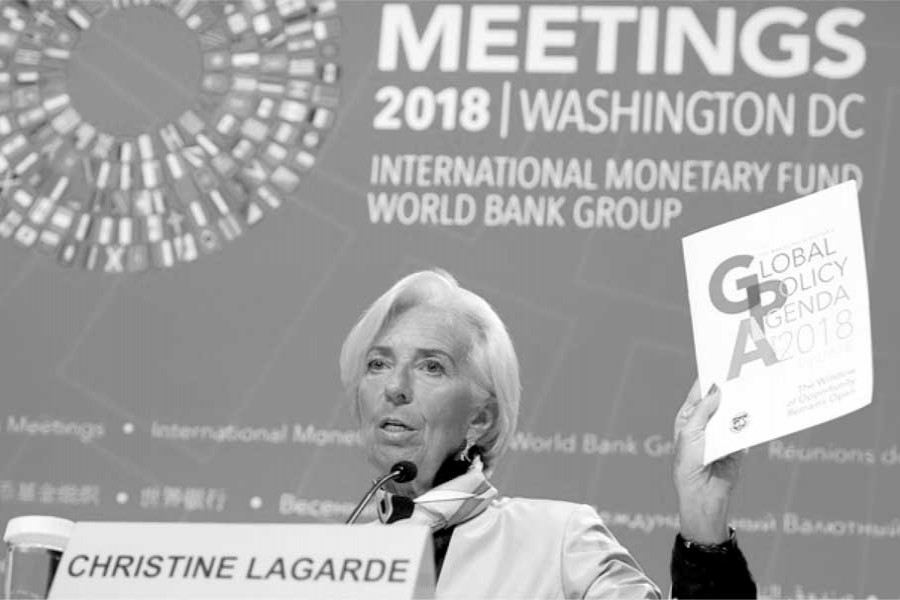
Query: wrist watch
x=721 y=548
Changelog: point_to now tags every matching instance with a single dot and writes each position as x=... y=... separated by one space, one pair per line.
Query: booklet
x=780 y=312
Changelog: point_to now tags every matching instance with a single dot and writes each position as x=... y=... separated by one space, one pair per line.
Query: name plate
x=211 y=560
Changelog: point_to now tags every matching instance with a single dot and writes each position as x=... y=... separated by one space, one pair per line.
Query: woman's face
x=417 y=397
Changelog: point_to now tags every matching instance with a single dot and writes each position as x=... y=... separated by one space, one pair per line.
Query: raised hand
x=703 y=491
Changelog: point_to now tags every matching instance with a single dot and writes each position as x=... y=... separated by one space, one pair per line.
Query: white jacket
x=520 y=548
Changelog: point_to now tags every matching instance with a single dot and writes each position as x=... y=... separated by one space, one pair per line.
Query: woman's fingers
x=697 y=407
x=706 y=408
x=689 y=404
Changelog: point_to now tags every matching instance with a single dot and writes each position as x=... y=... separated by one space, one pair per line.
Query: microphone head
x=405 y=470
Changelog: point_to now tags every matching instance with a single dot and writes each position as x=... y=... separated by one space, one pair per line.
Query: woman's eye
x=375 y=364
x=433 y=367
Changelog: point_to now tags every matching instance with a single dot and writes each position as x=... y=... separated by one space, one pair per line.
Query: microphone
x=405 y=471
x=401 y=472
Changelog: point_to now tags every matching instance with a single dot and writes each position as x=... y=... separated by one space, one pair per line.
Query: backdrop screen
x=199 y=199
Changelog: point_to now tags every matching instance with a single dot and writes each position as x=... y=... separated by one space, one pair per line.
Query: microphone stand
x=402 y=471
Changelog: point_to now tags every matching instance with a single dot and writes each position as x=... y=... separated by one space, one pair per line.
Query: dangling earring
x=464 y=453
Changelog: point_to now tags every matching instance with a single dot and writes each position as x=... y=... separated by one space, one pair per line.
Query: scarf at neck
x=446 y=505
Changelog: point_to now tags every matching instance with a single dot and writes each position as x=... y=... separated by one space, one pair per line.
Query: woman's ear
x=484 y=418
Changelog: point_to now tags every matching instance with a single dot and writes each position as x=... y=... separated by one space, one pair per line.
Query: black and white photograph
x=508 y=300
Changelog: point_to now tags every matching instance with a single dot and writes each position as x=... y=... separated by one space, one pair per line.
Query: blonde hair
x=491 y=355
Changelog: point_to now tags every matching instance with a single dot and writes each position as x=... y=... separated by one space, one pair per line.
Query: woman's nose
x=397 y=389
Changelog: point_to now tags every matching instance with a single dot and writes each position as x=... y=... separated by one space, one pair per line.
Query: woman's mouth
x=396 y=431
x=395 y=425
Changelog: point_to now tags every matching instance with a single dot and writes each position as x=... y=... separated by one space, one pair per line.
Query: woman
x=434 y=380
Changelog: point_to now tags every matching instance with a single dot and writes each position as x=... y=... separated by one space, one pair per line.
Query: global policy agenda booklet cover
x=779 y=305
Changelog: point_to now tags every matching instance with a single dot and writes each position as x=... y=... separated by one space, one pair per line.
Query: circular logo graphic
x=739 y=422
x=138 y=134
